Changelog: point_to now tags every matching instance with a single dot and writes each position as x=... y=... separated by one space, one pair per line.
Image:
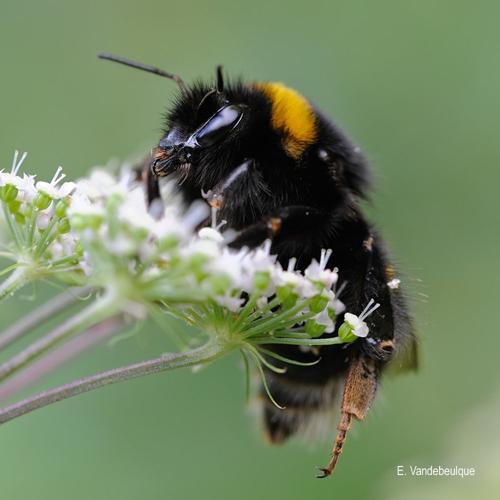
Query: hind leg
x=390 y=328
x=359 y=392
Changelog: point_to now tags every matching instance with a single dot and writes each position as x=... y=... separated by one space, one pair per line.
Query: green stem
x=16 y=280
x=101 y=309
x=279 y=319
x=246 y=365
x=54 y=359
x=8 y=269
x=269 y=307
x=286 y=359
x=31 y=228
x=46 y=238
x=310 y=342
x=264 y=382
x=41 y=314
x=12 y=228
x=209 y=352
x=65 y=260
x=245 y=312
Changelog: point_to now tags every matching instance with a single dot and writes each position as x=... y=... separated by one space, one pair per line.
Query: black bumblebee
x=277 y=168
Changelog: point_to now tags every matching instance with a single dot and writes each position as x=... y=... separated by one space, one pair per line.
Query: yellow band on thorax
x=292 y=115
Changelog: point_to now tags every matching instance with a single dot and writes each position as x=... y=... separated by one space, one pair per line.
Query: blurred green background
x=416 y=83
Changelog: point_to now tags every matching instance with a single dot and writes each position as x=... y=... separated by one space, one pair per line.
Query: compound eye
x=173 y=138
x=223 y=122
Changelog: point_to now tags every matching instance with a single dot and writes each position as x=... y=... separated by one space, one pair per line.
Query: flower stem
x=210 y=351
x=17 y=279
x=45 y=239
x=60 y=355
x=268 y=323
x=245 y=312
x=40 y=315
x=12 y=227
x=101 y=309
x=308 y=342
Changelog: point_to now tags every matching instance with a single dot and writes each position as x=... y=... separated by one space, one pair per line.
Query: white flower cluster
x=117 y=229
x=35 y=214
x=102 y=228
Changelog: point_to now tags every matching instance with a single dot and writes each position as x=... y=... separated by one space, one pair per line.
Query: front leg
x=244 y=196
x=144 y=173
x=295 y=231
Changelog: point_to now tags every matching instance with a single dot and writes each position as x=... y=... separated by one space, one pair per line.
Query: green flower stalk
x=139 y=262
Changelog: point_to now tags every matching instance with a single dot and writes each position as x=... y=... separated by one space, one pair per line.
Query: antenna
x=146 y=67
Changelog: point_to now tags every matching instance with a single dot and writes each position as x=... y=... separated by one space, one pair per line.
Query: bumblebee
x=277 y=168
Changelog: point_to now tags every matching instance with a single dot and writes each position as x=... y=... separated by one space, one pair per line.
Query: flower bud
x=139 y=234
x=332 y=315
x=346 y=334
x=220 y=284
x=91 y=221
x=169 y=243
x=287 y=296
x=318 y=303
x=14 y=206
x=61 y=209
x=43 y=221
x=28 y=210
x=20 y=218
x=64 y=226
x=262 y=280
x=42 y=201
x=314 y=329
x=8 y=193
x=197 y=264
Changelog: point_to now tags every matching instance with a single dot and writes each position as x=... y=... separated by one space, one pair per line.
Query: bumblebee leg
x=286 y=224
x=389 y=327
x=151 y=185
x=359 y=392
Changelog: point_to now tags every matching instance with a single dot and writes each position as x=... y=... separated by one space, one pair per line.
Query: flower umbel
x=99 y=233
x=40 y=241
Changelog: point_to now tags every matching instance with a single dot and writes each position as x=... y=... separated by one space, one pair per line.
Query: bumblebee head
x=213 y=129
x=200 y=130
